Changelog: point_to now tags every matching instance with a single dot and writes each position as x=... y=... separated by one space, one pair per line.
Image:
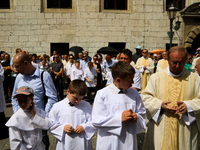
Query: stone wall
x=29 y=28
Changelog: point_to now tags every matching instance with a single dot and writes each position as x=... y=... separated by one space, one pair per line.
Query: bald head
x=23 y=64
x=21 y=57
x=178 y=49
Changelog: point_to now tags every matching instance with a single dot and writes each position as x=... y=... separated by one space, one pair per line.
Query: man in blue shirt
x=31 y=76
x=107 y=63
x=84 y=62
x=88 y=57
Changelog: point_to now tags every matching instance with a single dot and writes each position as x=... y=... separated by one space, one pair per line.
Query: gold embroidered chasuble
x=171 y=133
x=144 y=75
x=162 y=64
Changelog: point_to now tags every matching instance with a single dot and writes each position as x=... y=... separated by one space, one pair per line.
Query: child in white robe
x=118 y=112
x=25 y=126
x=74 y=114
x=76 y=72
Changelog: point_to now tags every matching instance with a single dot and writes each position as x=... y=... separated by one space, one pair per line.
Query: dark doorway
x=61 y=48
x=118 y=46
x=195 y=45
x=168 y=46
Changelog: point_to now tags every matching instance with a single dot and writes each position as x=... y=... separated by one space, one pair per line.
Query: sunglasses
x=19 y=65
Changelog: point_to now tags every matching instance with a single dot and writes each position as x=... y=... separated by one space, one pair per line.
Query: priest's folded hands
x=181 y=108
x=129 y=115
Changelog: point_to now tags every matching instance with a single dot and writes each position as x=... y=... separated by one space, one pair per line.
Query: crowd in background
x=60 y=67
x=60 y=70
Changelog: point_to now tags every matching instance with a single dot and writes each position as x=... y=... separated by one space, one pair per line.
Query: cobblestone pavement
x=4 y=144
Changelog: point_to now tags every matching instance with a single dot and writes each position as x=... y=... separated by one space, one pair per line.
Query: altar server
x=25 y=126
x=74 y=114
x=118 y=111
x=76 y=72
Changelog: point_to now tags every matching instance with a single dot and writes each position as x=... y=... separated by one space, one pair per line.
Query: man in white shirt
x=126 y=55
x=69 y=66
x=90 y=75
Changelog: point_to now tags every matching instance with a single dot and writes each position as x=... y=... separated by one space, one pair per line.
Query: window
x=6 y=6
x=179 y=4
x=59 y=6
x=116 y=6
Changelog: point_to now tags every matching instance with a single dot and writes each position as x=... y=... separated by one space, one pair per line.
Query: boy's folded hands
x=129 y=115
x=69 y=129
x=79 y=130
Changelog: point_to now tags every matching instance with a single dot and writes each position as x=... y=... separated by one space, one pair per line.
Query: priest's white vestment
x=162 y=64
x=145 y=73
x=165 y=130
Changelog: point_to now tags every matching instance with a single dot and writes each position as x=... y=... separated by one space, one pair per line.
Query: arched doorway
x=191 y=19
x=196 y=43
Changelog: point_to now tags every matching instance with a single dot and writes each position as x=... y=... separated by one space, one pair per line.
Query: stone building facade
x=30 y=25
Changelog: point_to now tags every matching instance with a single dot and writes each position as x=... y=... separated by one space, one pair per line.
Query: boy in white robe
x=74 y=114
x=118 y=111
x=76 y=72
x=26 y=124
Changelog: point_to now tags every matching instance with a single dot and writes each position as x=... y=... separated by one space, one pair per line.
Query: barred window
x=59 y=4
x=115 y=4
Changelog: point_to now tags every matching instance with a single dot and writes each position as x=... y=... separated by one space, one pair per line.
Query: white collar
x=173 y=75
x=114 y=89
x=145 y=58
x=66 y=100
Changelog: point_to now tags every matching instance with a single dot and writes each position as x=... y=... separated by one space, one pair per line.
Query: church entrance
x=196 y=43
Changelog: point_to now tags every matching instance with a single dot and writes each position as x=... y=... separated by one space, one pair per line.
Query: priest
x=163 y=63
x=145 y=65
x=172 y=101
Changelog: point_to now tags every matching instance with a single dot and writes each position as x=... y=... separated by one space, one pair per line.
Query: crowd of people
x=132 y=92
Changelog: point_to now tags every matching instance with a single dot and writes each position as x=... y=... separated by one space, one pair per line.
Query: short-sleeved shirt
x=56 y=66
x=90 y=74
